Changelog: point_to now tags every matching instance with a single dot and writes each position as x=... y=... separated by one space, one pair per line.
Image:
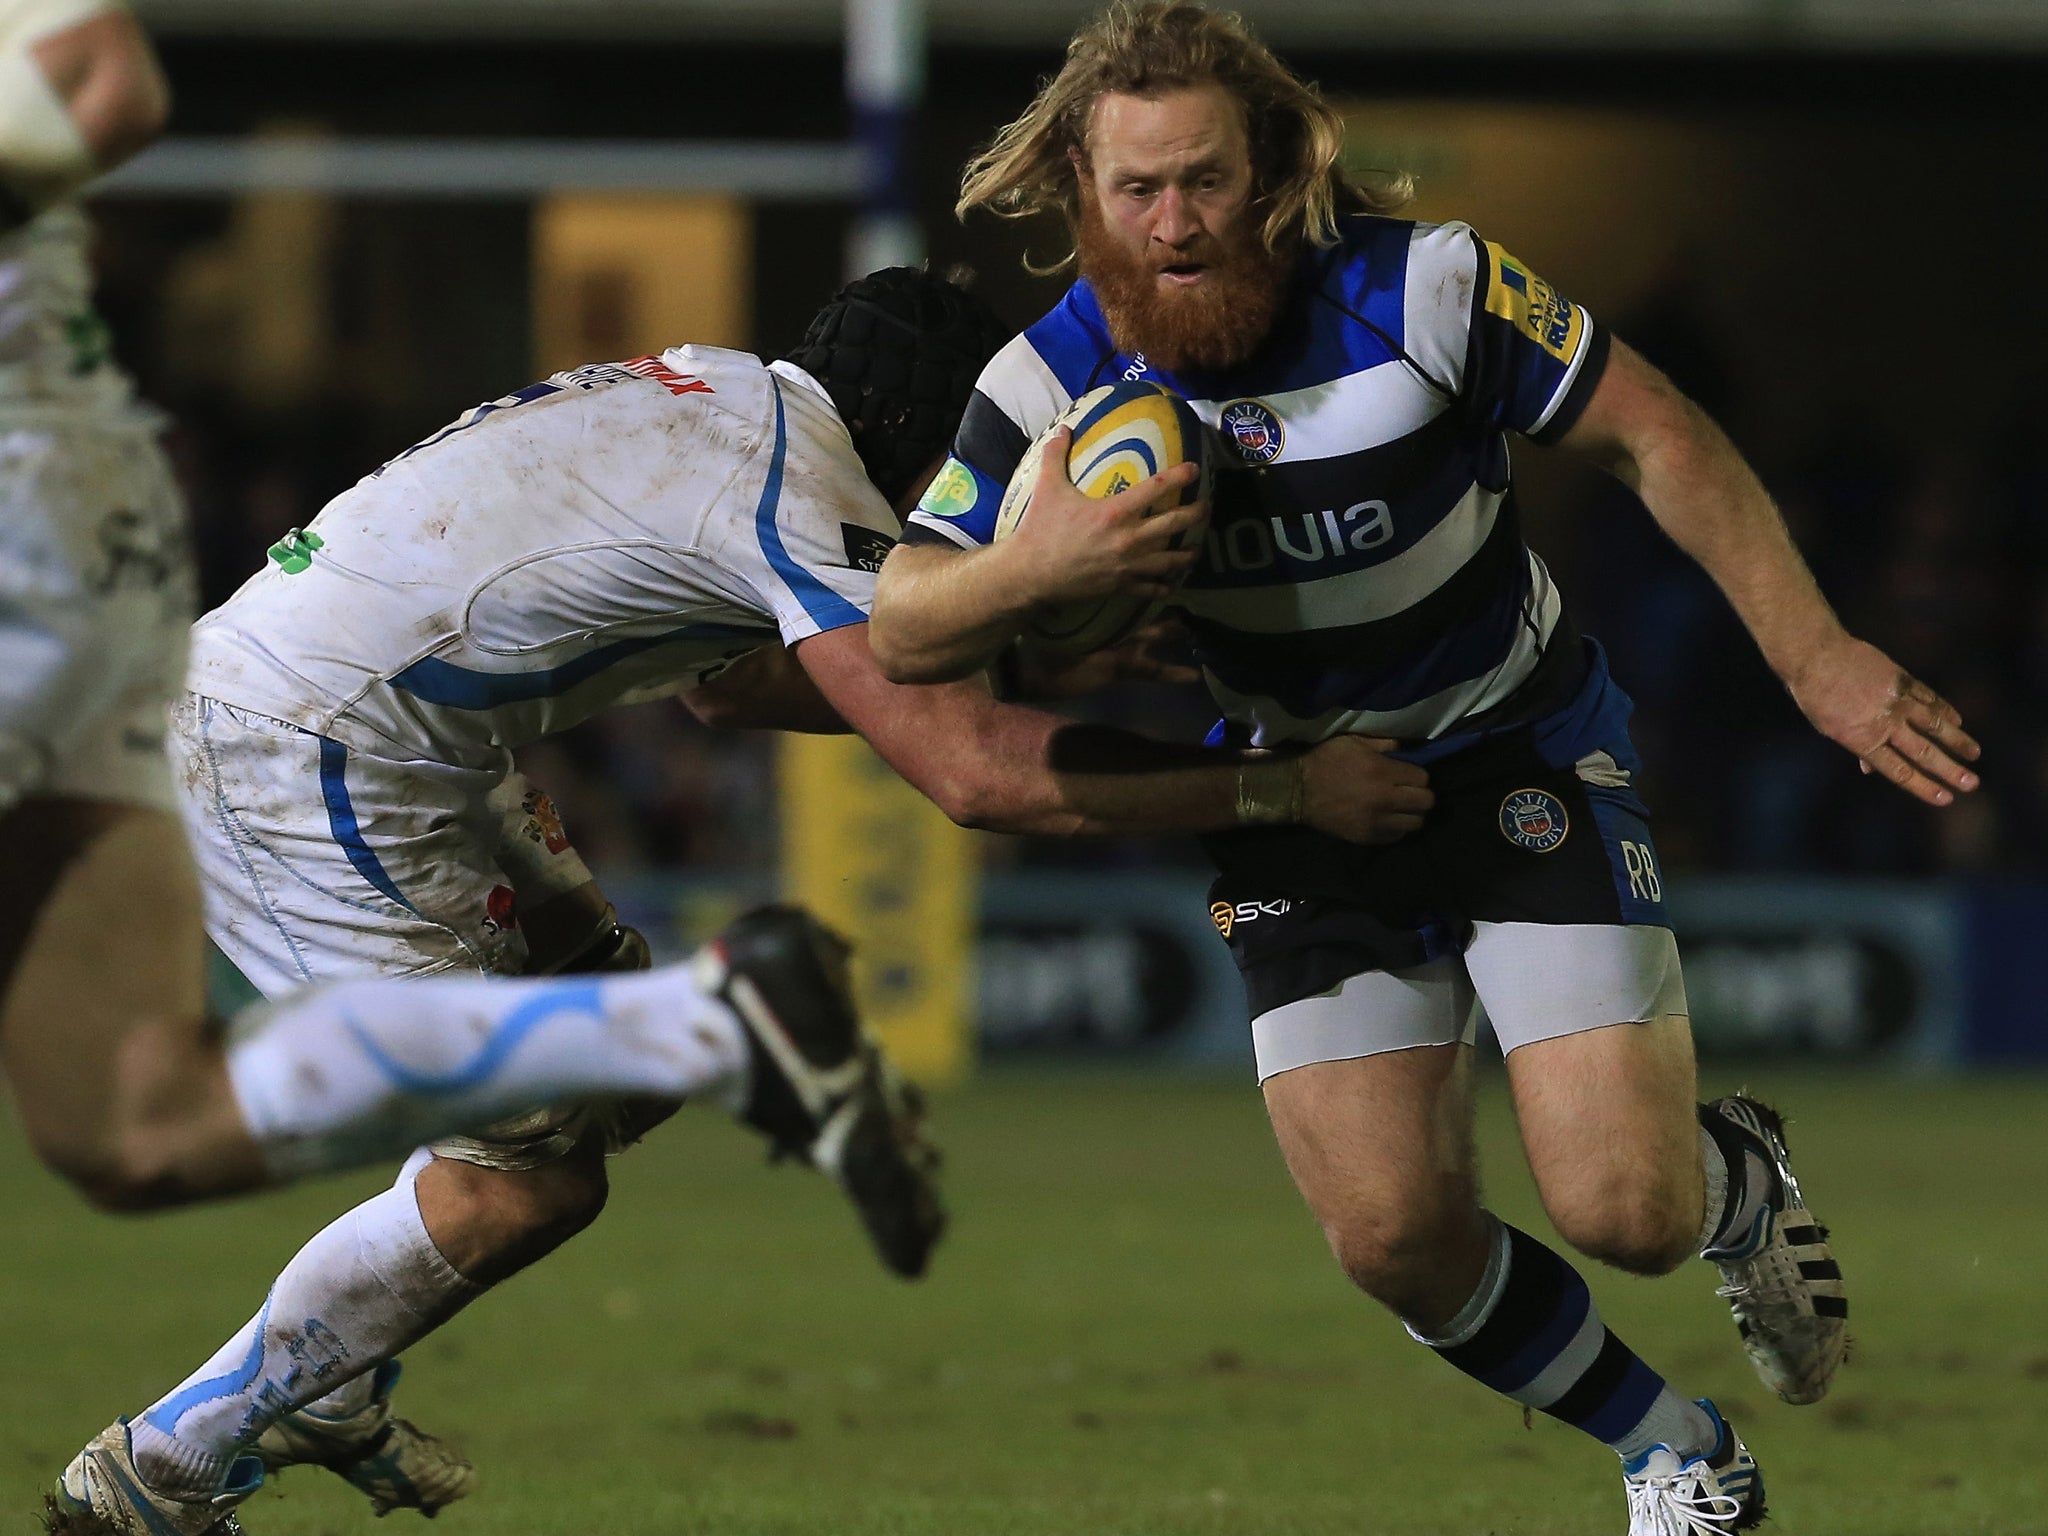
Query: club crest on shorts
x=1253 y=430
x=1533 y=819
x=1224 y=916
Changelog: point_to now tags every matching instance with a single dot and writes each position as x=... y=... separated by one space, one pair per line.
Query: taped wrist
x=1270 y=791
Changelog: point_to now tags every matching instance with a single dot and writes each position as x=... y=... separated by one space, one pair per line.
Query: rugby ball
x=1123 y=433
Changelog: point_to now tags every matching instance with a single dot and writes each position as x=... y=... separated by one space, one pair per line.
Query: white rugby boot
x=1711 y=1495
x=1779 y=1279
x=396 y=1463
x=102 y=1494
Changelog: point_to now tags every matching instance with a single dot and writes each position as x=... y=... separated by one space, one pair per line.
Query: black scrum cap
x=899 y=351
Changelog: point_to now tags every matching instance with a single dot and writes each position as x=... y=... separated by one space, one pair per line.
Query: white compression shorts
x=1537 y=981
x=96 y=598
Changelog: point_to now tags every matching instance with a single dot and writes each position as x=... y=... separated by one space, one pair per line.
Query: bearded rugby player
x=1364 y=571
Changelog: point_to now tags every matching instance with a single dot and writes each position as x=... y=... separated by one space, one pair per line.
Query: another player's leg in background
x=125 y=1086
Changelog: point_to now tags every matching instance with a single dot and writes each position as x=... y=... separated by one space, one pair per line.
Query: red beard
x=1214 y=325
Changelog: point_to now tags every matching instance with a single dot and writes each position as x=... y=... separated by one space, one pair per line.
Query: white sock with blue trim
x=363 y=1289
x=357 y=1071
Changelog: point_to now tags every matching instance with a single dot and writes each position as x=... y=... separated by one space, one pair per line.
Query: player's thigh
x=109 y=943
x=1369 y=1088
x=1600 y=1064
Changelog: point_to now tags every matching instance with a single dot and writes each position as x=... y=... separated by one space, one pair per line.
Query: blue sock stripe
x=1544 y=1311
x=1535 y=1288
x=1625 y=1403
x=1534 y=1357
x=552 y=1001
x=165 y=1415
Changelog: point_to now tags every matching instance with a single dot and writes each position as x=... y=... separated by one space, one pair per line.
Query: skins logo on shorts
x=1253 y=430
x=1227 y=915
x=1532 y=819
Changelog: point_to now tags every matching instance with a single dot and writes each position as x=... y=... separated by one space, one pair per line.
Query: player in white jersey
x=1364 y=570
x=123 y=1081
x=697 y=523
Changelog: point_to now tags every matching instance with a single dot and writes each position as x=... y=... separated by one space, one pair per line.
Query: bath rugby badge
x=1253 y=430
x=1531 y=819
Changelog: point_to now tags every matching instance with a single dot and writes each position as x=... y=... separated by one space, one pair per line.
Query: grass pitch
x=1134 y=1329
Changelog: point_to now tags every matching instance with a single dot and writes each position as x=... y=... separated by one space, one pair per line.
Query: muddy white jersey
x=611 y=534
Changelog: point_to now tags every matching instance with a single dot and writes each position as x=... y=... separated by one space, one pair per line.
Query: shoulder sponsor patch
x=1534 y=819
x=865 y=548
x=1533 y=307
x=952 y=494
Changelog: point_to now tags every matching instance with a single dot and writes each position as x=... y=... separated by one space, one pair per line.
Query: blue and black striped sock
x=1531 y=1331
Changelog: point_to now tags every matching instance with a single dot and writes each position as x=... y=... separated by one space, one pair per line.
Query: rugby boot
x=819 y=1087
x=1779 y=1279
x=102 y=1494
x=1711 y=1495
x=392 y=1460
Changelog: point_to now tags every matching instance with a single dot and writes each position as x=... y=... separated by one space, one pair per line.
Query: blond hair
x=1146 y=48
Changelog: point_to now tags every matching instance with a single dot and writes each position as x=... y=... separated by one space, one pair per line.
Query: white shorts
x=1536 y=981
x=96 y=598
x=318 y=862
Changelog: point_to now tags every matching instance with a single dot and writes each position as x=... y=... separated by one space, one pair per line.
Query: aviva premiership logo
x=1531 y=819
x=1253 y=430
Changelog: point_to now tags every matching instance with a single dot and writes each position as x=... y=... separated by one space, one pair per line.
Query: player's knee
x=114 y=1174
x=1392 y=1256
x=1634 y=1224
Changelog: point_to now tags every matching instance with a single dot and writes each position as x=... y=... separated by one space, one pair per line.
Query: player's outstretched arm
x=1008 y=769
x=942 y=614
x=80 y=92
x=1711 y=503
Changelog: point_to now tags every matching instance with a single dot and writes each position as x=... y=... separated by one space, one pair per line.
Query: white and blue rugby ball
x=1124 y=433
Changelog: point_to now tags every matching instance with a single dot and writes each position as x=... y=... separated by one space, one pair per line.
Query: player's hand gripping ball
x=1124 y=433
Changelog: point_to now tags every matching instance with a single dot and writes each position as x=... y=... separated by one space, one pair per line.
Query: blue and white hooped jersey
x=608 y=535
x=1364 y=569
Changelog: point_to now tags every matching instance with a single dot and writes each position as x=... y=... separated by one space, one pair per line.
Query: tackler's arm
x=765 y=690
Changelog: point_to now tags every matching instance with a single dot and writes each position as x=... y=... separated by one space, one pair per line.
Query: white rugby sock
x=363 y=1289
x=356 y=1071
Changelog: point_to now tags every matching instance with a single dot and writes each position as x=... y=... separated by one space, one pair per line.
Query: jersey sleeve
x=1516 y=352
x=820 y=530
x=1016 y=398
